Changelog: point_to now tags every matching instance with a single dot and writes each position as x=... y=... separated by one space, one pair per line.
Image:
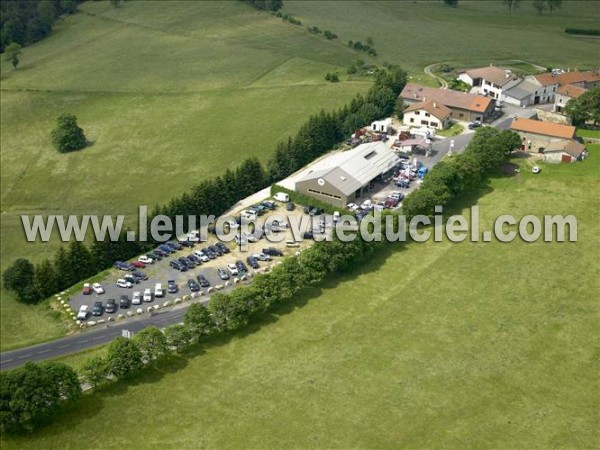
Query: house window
x=417 y=113
x=427 y=114
x=433 y=124
x=412 y=120
x=424 y=122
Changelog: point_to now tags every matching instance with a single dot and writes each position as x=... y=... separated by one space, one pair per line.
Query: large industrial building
x=344 y=177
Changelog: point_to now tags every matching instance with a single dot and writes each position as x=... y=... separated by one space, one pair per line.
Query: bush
x=68 y=136
x=583 y=31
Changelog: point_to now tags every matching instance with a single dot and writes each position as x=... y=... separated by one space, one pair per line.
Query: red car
x=138 y=264
x=86 y=289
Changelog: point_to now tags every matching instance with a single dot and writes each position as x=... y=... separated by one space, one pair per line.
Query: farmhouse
x=564 y=94
x=463 y=106
x=490 y=81
x=566 y=150
x=429 y=113
x=537 y=135
x=346 y=176
x=587 y=80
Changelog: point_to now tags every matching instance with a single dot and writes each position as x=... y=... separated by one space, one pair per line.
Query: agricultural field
x=415 y=34
x=436 y=345
x=169 y=93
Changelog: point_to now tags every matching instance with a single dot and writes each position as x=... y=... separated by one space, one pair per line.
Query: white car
x=123 y=283
x=83 y=312
x=136 y=298
x=194 y=236
x=98 y=289
x=148 y=295
x=336 y=216
x=536 y=169
x=232 y=269
x=352 y=206
x=202 y=256
x=292 y=243
x=145 y=259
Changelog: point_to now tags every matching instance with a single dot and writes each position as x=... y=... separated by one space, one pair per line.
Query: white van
x=282 y=197
x=158 y=290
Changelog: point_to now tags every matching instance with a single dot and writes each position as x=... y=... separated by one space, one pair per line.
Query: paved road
x=89 y=339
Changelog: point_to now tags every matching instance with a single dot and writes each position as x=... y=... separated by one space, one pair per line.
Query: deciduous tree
x=68 y=136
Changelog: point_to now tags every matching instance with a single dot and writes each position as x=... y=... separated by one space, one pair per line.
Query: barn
x=343 y=177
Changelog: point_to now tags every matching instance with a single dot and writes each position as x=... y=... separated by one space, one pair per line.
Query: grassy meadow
x=436 y=345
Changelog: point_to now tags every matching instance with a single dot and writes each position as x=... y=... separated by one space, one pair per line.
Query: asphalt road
x=90 y=338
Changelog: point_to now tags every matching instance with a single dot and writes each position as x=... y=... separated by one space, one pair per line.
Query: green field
x=173 y=92
x=436 y=345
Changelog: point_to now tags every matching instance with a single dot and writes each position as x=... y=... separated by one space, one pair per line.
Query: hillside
x=436 y=345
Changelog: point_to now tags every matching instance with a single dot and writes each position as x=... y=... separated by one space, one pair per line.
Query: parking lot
x=161 y=271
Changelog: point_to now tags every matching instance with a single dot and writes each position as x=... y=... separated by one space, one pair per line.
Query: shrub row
x=583 y=31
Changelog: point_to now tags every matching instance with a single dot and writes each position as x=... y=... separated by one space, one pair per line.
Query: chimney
x=424 y=99
x=434 y=104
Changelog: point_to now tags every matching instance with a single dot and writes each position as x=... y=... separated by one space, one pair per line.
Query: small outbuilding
x=566 y=151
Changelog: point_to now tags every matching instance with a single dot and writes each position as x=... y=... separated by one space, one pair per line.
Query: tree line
x=24 y=22
x=265 y=5
x=317 y=136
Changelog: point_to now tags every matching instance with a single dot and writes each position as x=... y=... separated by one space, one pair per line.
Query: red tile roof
x=571 y=91
x=436 y=109
x=543 y=128
x=447 y=97
x=568 y=77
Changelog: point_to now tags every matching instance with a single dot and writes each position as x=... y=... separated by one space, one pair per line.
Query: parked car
x=203 y=281
x=194 y=258
x=272 y=251
x=222 y=247
x=172 y=287
x=166 y=249
x=474 y=125
x=131 y=279
x=209 y=253
x=252 y=262
x=352 y=206
x=158 y=290
x=232 y=269
x=201 y=256
x=86 y=289
x=176 y=245
x=139 y=275
x=124 y=266
x=290 y=206
x=223 y=275
x=186 y=243
x=308 y=209
x=216 y=250
x=536 y=169
x=269 y=204
x=97 y=309
x=147 y=295
x=122 y=283
x=403 y=183
x=138 y=264
x=175 y=264
x=98 y=289
x=136 y=298
x=336 y=216
x=83 y=312
x=194 y=287
x=315 y=212
x=293 y=243
x=111 y=306
x=189 y=262
x=124 y=302
x=241 y=267
x=282 y=197
x=262 y=256
x=153 y=256
x=397 y=196
x=160 y=253
x=144 y=259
